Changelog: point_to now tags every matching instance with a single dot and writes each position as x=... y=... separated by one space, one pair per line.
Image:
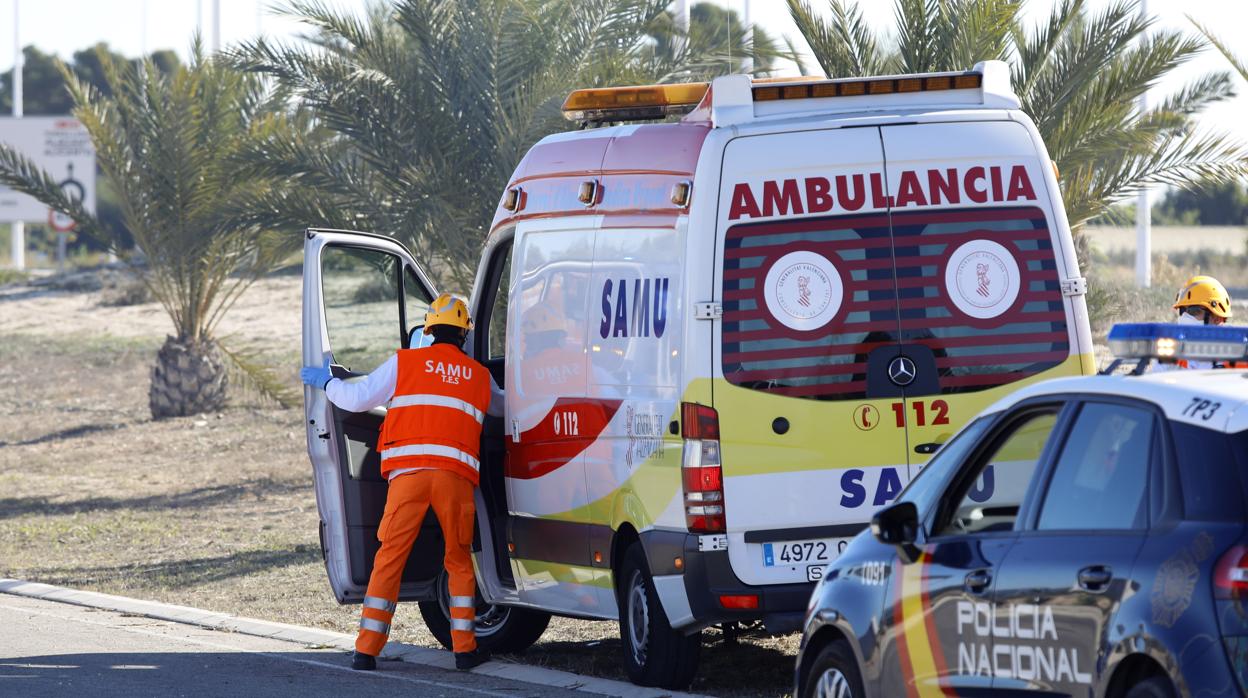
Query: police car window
x=1209 y=476
x=360 y=289
x=1100 y=479
x=924 y=490
x=992 y=500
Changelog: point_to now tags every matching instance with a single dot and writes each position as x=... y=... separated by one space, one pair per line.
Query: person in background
x=430 y=440
x=1203 y=300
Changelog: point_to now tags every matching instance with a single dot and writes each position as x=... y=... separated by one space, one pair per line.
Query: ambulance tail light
x=1230 y=579
x=701 y=472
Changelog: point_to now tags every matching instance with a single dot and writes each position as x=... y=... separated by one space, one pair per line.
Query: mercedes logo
x=901 y=371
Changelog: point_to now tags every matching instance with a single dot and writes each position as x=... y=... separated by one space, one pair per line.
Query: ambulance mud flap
x=705 y=576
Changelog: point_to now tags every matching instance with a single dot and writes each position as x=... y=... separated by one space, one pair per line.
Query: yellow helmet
x=1205 y=292
x=447 y=310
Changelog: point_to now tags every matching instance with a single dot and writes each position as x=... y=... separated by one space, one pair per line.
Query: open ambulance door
x=363 y=295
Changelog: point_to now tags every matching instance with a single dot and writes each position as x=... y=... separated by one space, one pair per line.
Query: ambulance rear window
x=805 y=301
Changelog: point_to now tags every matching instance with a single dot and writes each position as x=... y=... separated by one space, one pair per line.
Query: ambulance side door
x=550 y=420
x=362 y=297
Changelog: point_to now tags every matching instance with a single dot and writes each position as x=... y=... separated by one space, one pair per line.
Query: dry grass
x=217 y=512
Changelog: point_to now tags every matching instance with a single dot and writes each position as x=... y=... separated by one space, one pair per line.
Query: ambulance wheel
x=1156 y=687
x=655 y=654
x=500 y=629
x=834 y=674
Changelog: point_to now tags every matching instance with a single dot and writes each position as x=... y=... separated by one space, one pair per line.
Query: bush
x=12 y=276
x=123 y=290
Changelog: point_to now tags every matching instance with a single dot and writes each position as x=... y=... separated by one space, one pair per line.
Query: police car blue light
x=1153 y=340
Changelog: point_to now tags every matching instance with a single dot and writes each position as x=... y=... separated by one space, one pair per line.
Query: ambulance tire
x=1155 y=687
x=834 y=674
x=655 y=654
x=500 y=629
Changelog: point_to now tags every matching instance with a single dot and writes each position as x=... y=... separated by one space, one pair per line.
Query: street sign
x=62 y=147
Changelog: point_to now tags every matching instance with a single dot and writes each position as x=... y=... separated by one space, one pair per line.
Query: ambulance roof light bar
x=734 y=97
x=1145 y=341
x=639 y=103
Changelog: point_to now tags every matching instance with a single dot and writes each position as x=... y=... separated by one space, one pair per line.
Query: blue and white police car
x=1081 y=537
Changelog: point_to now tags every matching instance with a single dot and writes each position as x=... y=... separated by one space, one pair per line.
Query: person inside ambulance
x=548 y=364
x=1202 y=301
x=437 y=399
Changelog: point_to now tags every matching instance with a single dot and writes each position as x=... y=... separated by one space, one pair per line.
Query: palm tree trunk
x=189 y=378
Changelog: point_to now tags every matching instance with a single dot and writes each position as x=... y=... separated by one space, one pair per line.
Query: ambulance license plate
x=800 y=552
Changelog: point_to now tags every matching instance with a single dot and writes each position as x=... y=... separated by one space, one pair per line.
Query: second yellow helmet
x=1205 y=292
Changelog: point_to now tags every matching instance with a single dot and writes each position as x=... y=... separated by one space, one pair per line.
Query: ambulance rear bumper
x=705 y=577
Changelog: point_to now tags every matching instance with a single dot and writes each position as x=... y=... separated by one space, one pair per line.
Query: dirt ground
x=214 y=512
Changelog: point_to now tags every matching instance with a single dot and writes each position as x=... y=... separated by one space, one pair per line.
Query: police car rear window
x=805 y=301
x=1210 y=477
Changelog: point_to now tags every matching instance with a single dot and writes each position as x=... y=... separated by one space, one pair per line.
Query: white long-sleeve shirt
x=377 y=388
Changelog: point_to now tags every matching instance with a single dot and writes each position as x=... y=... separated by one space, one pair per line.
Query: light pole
x=1143 y=216
x=749 y=37
x=17 y=234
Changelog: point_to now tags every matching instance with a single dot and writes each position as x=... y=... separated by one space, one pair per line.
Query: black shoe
x=467 y=660
x=363 y=662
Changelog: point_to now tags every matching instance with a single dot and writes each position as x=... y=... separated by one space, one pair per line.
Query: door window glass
x=1210 y=477
x=1100 y=479
x=416 y=299
x=805 y=301
x=498 y=313
x=980 y=288
x=360 y=288
x=992 y=500
x=924 y=490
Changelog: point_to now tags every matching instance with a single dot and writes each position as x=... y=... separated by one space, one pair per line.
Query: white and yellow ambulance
x=725 y=340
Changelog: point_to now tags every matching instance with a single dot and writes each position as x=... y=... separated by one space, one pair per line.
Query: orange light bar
x=633 y=103
x=766 y=92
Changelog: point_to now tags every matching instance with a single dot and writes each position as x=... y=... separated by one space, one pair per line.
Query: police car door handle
x=1095 y=578
x=977 y=582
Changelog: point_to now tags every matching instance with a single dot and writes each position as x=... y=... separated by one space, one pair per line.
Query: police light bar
x=633 y=103
x=1155 y=340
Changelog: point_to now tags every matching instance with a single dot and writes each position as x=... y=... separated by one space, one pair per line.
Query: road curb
x=226 y=622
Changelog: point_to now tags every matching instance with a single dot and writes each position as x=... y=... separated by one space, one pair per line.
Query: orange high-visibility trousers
x=407 y=501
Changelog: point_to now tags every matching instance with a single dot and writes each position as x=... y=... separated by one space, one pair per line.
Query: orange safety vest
x=434 y=419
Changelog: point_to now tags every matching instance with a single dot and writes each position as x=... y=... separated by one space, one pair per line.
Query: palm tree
x=1078 y=75
x=168 y=144
x=430 y=104
x=1239 y=64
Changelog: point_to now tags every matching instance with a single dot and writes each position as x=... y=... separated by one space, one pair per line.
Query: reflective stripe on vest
x=432 y=450
x=438 y=401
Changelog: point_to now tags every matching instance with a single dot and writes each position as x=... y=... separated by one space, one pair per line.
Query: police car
x=1083 y=536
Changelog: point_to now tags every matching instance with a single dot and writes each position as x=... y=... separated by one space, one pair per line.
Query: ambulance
x=732 y=320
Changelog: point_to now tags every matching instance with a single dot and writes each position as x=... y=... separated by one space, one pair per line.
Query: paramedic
x=429 y=445
x=1202 y=301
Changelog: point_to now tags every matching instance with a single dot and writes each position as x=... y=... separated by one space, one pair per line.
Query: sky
x=137 y=26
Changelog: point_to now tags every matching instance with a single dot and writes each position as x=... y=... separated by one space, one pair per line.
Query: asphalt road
x=54 y=649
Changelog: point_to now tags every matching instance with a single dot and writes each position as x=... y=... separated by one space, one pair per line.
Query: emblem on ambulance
x=803 y=290
x=982 y=279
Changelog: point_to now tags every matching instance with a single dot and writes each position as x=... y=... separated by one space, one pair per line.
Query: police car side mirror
x=417 y=339
x=898 y=525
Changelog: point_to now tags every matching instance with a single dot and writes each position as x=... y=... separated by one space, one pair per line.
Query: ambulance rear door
x=981 y=258
x=811 y=439
x=362 y=297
